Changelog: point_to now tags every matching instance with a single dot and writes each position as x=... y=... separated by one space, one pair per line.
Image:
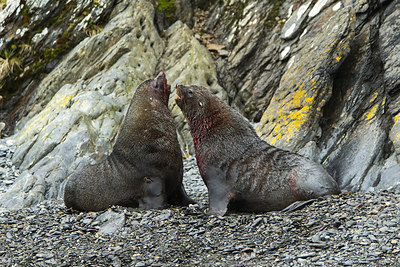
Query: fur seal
x=241 y=171
x=145 y=168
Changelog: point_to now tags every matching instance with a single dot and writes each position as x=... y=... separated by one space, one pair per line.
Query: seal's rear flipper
x=153 y=194
x=297 y=205
x=180 y=198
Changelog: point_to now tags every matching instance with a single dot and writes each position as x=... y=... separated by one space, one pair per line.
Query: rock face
x=34 y=35
x=320 y=78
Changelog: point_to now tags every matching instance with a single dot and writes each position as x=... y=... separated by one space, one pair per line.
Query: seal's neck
x=201 y=128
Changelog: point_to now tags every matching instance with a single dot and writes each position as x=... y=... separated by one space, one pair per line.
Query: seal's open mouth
x=161 y=83
x=179 y=96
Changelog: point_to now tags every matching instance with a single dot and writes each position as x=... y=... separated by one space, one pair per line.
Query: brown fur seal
x=241 y=171
x=145 y=168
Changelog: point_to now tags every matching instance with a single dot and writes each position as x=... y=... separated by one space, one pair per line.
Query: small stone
x=372 y=238
x=319 y=245
x=223 y=53
x=44 y=255
x=383 y=229
x=87 y=221
x=165 y=215
x=307 y=255
x=215 y=47
x=256 y=222
x=348 y=263
x=337 y=224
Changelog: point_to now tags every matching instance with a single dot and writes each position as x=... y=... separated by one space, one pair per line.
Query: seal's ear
x=200 y=103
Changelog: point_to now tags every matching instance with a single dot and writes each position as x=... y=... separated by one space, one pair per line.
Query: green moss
x=50 y=54
x=37 y=68
x=168 y=7
x=20 y=52
x=25 y=15
x=234 y=12
x=270 y=20
x=47 y=53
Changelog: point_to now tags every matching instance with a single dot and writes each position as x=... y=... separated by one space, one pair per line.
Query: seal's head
x=160 y=88
x=194 y=101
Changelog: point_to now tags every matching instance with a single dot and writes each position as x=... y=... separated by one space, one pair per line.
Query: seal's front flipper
x=218 y=191
x=218 y=203
x=297 y=205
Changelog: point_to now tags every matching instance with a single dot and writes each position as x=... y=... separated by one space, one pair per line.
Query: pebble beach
x=350 y=229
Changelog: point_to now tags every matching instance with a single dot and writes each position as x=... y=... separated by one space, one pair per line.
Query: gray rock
x=294 y=24
x=291 y=119
x=35 y=35
x=389 y=42
x=76 y=110
x=111 y=222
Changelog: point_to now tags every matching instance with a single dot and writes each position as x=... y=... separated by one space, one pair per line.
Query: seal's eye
x=190 y=92
x=200 y=103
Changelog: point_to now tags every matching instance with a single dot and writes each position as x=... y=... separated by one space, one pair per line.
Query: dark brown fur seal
x=145 y=168
x=241 y=171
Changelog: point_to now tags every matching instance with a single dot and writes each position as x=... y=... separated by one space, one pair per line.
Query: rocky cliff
x=318 y=77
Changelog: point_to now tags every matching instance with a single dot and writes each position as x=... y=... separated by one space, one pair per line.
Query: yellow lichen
x=298 y=95
x=278 y=137
x=375 y=95
x=50 y=109
x=371 y=113
x=396 y=118
x=290 y=122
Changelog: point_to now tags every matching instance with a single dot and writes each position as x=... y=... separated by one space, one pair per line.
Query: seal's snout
x=160 y=80
x=160 y=83
x=179 y=94
x=161 y=75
